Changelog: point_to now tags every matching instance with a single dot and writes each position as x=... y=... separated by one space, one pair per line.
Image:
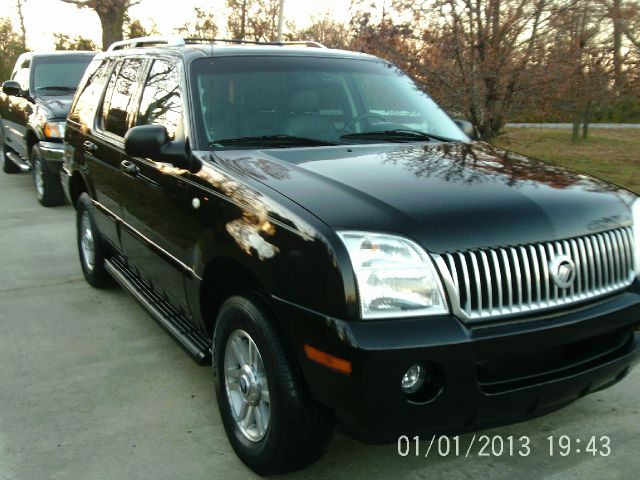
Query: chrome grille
x=490 y=283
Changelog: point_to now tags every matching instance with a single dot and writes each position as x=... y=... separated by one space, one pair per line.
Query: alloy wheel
x=86 y=241
x=246 y=386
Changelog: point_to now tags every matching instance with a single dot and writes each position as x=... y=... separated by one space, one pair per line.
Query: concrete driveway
x=92 y=389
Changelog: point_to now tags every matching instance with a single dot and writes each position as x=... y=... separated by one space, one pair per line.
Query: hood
x=447 y=196
x=58 y=105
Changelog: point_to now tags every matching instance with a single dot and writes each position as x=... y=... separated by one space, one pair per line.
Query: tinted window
x=161 y=103
x=88 y=96
x=59 y=74
x=118 y=96
x=328 y=99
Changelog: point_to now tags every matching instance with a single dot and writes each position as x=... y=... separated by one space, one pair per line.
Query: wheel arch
x=31 y=138
x=223 y=277
x=77 y=185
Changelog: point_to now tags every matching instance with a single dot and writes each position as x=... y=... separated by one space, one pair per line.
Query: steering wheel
x=349 y=126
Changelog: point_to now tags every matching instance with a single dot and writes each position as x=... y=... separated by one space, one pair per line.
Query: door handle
x=129 y=167
x=89 y=146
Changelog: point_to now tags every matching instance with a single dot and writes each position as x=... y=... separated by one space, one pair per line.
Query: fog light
x=413 y=378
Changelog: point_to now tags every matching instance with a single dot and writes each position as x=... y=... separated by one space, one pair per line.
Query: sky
x=45 y=17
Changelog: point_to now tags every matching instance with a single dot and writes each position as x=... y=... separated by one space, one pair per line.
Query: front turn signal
x=334 y=363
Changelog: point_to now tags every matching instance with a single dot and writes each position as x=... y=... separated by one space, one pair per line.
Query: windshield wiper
x=283 y=140
x=57 y=87
x=396 y=135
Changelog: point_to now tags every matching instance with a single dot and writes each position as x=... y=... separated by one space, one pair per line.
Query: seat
x=217 y=116
x=305 y=119
x=258 y=115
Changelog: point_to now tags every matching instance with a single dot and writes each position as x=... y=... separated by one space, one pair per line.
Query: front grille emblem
x=563 y=271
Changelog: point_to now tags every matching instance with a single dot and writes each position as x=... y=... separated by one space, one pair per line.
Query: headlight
x=635 y=211
x=395 y=277
x=54 y=129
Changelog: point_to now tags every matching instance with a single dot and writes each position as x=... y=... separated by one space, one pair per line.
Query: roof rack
x=171 y=41
x=305 y=43
x=176 y=41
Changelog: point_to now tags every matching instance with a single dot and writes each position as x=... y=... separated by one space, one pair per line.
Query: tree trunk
x=23 y=30
x=576 y=128
x=243 y=21
x=586 y=119
x=617 y=46
x=112 y=24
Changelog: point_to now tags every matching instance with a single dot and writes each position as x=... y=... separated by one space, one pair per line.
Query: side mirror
x=146 y=141
x=467 y=128
x=152 y=141
x=11 y=87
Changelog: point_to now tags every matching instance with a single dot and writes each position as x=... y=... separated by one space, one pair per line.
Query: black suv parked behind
x=316 y=226
x=34 y=104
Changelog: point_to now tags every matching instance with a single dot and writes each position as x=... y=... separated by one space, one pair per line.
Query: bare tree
x=578 y=61
x=23 y=30
x=255 y=20
x=473 y=54
x=64 y=42
x=205 y=25
x=134 y=28
x=112 y=15
x=10 y=48
x=237 y=20
x=326 y=31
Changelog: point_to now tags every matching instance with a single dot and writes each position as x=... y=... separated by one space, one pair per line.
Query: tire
x=297 y=430
x=7 y=165
x=91 y=247
x=48 y=186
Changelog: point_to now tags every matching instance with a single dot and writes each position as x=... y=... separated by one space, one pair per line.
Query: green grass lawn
x=612 y=155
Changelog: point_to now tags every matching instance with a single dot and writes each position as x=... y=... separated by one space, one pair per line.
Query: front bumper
x=483 y=376
x=53 y=154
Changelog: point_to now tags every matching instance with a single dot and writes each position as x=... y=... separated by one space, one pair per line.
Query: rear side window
x=88 y=96
x=118 y=97
x=161 y=102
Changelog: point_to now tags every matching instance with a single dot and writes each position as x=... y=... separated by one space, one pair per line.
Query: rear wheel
x=91 y=248
x=7 y=165
x=48 y=185
x=272 y=424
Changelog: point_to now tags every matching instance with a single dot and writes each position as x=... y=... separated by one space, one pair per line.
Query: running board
x=15 y=158
x=170 y=319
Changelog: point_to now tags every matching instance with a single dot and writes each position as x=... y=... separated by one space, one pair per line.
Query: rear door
x=155 y=212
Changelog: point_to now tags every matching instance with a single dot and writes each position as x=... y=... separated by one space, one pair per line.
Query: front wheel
x=271 y=423
x=49 y=190
x=91 y=247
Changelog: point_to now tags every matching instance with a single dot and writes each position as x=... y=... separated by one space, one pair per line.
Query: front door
x=154 y=201
x=103 y=151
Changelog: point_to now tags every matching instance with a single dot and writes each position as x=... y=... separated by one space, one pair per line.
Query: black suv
x=313 y=224
x=34 y=104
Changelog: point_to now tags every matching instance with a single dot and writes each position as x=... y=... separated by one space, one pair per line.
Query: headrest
x=259 y=101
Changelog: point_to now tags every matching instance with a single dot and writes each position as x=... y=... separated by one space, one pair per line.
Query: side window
x=86 y=101
x=120 y=91
x=161 y=102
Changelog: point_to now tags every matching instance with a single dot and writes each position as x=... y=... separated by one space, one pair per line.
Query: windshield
x=59 y=74
x=279 y=101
